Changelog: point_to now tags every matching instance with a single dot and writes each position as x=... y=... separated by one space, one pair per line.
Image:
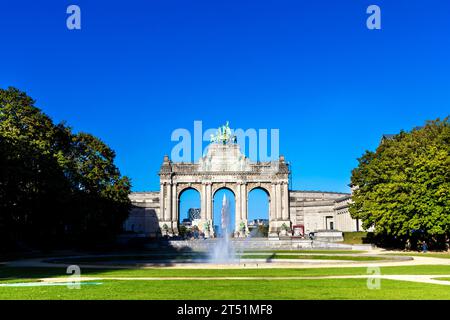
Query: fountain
x=223 y=250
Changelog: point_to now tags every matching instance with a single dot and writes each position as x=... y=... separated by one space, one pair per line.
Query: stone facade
x=144 y=216
x=343 y=218
x=156 y=213
x=315 y=210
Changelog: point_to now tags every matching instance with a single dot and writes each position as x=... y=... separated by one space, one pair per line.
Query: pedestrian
x=408 y=245
x=424 y=246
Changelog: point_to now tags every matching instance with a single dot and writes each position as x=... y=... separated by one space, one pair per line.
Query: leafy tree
x=182 y=231
x=55 y=186
x=403 y=188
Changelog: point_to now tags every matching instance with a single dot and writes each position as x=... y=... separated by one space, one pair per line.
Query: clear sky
x=137 y=70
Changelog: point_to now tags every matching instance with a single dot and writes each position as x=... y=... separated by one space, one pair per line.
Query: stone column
x=209 y=200
x=209 y=207
x=279 y=200
x=169 y=203
x=238 y=209
x=285 y=201
x=273 y=201
x=174 y=200
x=273 y=212
x=244 y=195
x=238 y=202
x=203 y=200
x=161 y=203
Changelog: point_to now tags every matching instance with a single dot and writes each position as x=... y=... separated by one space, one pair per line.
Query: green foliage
x=55 y=186
x=263 y=230
x=403 y=188
x=182 y=231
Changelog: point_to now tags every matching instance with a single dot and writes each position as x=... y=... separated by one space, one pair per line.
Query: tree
x=55 y=186
x=403 y=188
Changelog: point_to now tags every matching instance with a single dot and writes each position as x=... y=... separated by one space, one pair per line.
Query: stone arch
x=183 y=187
x=219 y=171
x=262 y=186
x=220 y=186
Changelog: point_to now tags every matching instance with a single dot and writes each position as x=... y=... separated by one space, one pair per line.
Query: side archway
x=258 y=211
x=189 y=212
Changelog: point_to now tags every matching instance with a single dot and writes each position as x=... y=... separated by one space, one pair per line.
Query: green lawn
x=235 y=289
x=226 y=289
x=277 y=254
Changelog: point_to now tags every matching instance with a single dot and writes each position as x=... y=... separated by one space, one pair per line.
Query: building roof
x=388 y=136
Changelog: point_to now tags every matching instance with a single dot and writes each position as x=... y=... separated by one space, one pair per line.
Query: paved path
x=255 y=263
x=417 y=260
x=286 y=263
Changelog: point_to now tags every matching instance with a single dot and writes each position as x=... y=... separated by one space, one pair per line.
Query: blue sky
x=137 y=70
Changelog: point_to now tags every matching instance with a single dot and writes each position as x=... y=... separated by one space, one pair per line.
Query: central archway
x=217 y=210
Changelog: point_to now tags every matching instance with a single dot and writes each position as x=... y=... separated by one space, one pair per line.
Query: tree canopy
x=403 y=188
x=57 y=187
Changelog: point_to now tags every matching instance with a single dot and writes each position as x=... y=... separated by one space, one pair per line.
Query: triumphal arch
x=224 y=166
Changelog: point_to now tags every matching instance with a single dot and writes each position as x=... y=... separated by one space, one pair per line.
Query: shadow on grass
x=95 y=262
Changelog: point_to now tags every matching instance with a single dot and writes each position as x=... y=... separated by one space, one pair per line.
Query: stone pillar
x=279 y=200
x=273 y=212
x=285 y=202
x=174 y=200
x=209 y=201
x=161 y=203
x=244 y=206
x=169 y=203
x=273 y=201
x=238 y=211
x=203 y=200
x=244 y=195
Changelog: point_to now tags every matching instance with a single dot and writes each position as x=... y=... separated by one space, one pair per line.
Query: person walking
x=424 y=246
x=408 y=245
